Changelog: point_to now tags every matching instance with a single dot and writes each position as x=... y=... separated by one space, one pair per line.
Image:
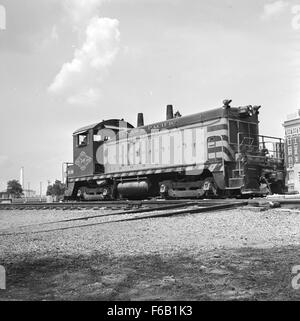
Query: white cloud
x=79 y=80
x=296 y=18
x=81 y=11
x=274 y=9
x=90 y=96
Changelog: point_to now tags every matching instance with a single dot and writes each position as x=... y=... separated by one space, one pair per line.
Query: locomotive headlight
x=246 y=111
x=250 y=111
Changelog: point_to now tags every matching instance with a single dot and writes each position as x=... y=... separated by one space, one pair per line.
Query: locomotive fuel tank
x=133 y=189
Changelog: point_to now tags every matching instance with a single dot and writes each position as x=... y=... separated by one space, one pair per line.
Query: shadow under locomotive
x=217 y=153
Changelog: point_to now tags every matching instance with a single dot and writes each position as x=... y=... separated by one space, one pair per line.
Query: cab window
x=100 y=138
x=82 y=139
x=247 y=132
x=97 y=138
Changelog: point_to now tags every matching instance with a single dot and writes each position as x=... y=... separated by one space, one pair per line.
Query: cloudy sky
x=68 y=63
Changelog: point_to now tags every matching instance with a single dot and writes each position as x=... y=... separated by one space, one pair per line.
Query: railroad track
x=100 y=205
x=152 y=211
x=288 y=203
x=109 y=212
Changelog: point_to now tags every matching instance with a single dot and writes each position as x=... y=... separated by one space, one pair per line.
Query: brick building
x=292 y=151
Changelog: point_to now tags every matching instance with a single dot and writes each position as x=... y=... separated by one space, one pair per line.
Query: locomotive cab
x=88 y=156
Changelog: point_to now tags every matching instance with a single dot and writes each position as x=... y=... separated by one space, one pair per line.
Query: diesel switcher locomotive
x=214 y=153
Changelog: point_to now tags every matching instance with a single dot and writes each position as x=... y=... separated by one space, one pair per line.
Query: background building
x=5 y=195
x=292 y=151
x=29 y=193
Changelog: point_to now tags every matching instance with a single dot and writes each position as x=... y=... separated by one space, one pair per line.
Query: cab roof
x=115 y=123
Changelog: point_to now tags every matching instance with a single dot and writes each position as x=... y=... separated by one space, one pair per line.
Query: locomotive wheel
x=210 y=187
x=277 y=188
x=265 y=186
x=80 y=195
x=164 y=192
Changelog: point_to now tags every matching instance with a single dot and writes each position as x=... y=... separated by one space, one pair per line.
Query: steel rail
x=156 y=215
x=99 y=204
x=85 y=218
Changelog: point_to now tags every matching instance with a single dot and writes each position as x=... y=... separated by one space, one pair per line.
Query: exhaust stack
x=170 y=114
x=140 y=120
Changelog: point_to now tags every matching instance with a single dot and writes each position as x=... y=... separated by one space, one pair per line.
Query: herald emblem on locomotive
x=215 y=153
x=83 y=161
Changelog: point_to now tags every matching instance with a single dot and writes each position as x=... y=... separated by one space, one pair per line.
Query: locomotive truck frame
x=215 y=153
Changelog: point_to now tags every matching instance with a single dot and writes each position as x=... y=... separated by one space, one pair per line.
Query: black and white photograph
x=149 y=153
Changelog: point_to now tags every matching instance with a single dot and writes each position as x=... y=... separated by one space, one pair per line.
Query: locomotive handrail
x=263 y=142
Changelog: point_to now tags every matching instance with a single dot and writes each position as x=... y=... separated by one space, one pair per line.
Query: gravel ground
x=198 y=243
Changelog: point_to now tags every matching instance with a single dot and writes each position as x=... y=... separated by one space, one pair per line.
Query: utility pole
x=49 y=183
x=41 y=190
x=63 y=173
x=22 y=177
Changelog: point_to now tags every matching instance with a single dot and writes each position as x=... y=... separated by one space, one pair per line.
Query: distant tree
x=14 y=188
x=57 y=189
